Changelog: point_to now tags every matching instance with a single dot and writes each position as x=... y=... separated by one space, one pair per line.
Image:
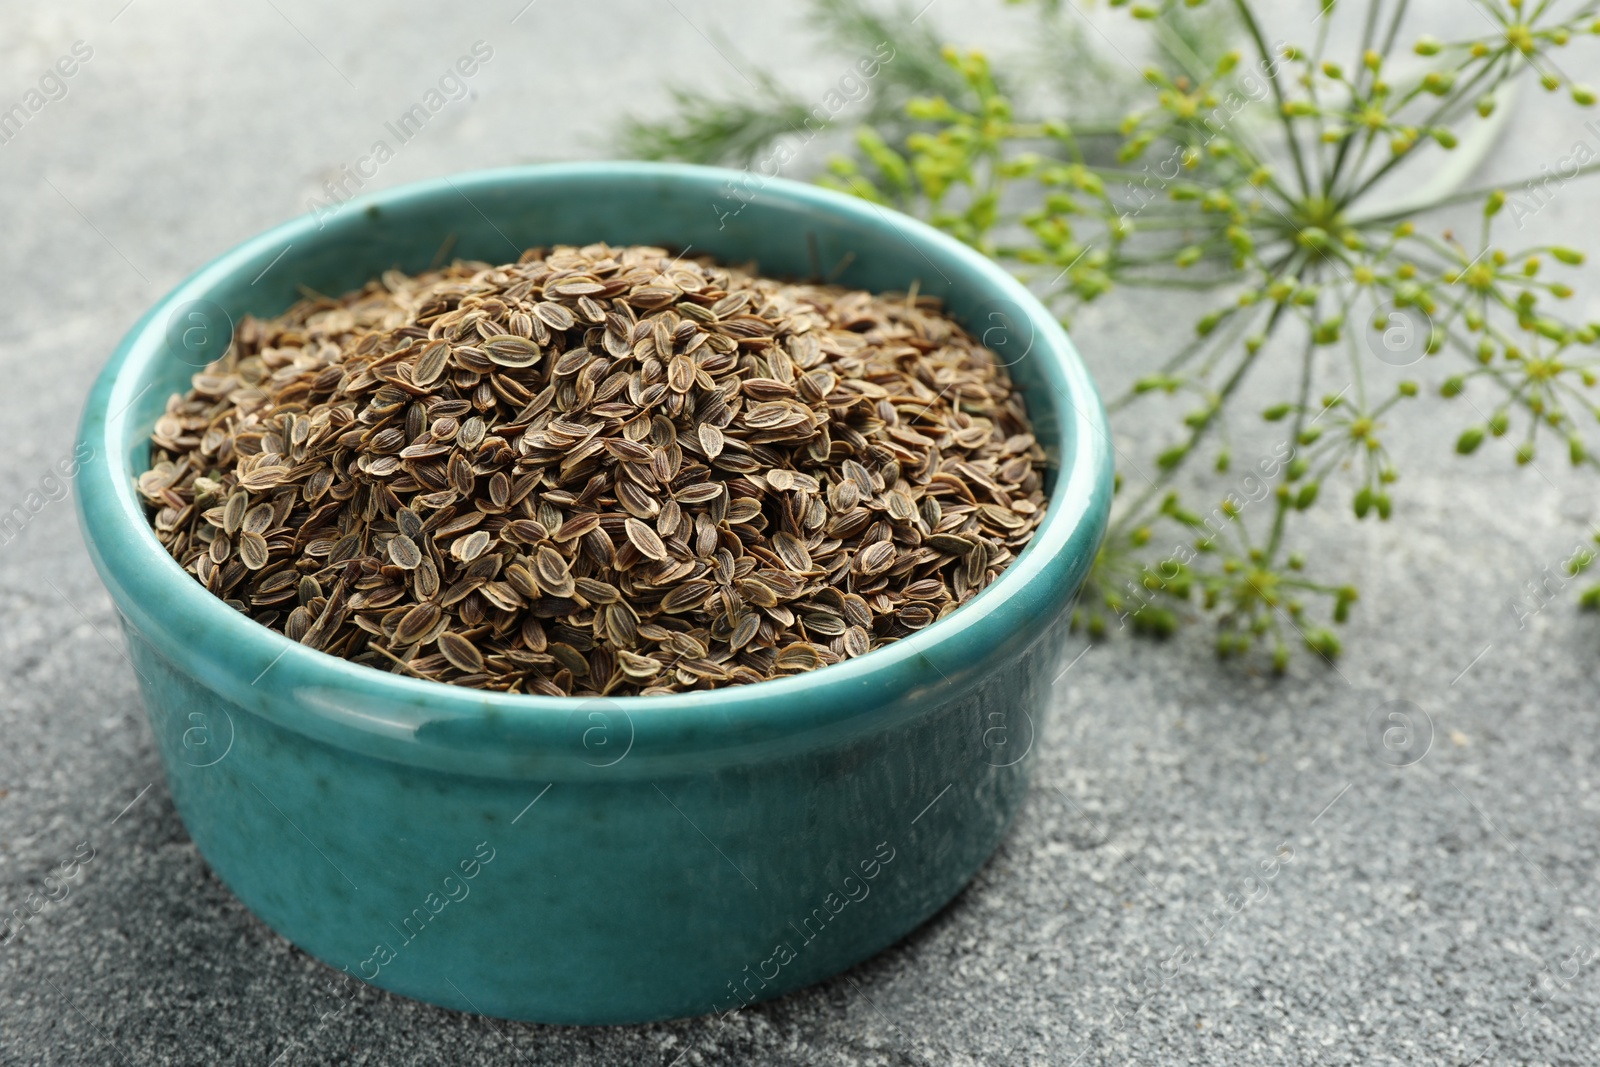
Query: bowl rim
x=360 y=706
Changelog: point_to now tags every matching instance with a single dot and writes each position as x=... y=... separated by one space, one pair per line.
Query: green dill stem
x=1477 y=194
x=1353 y=351
x=1253 y=156
x=1368 y=139
x=1319 y=149
x=1196 y=284
x=1278 y=519
x=1450 y=101
x=1125 y=175
x=1332 y=457
x=1268 y=60
x=1417 y=91
x=1362 y=75
x=1164 y=258
x=1069 y=135
x=1325 y=8
x=1235 y=328
x=1583 y=401
x=1290 y=263
x=1163 y=478
x=1422 y=246
x=1394 y=26
x=1176 y=220
x=1174 y=44
x=1356 y=375
x=1309 y=586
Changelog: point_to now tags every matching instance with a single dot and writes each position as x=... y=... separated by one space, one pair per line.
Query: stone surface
x=1411 y=913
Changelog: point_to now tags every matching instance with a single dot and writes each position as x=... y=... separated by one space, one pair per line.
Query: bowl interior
x=786 y=230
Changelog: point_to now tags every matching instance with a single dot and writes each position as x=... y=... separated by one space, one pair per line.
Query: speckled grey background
x=1441 y=913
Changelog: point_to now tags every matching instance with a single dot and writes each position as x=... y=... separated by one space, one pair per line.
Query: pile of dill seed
x=597 y=470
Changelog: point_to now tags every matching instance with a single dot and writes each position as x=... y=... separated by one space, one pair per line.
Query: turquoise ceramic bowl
x=595 y=861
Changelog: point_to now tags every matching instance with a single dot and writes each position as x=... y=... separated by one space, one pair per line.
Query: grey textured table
x=1441 y=913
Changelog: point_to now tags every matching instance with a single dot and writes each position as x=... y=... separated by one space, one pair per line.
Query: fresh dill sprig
x=1265 y=175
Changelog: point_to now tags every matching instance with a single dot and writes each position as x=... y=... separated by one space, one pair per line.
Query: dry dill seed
x=597 y=470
